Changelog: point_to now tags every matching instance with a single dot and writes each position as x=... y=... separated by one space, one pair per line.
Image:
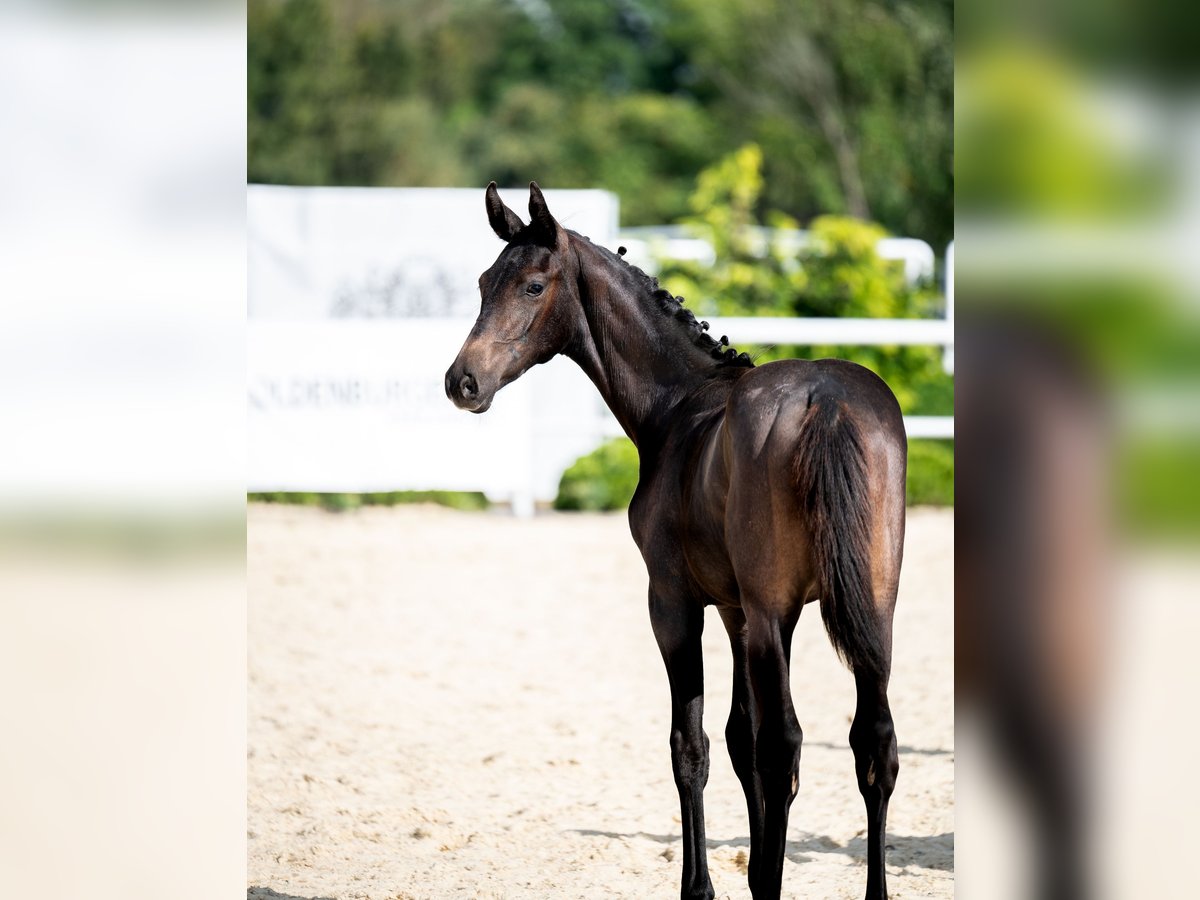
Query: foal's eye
x=534 y=289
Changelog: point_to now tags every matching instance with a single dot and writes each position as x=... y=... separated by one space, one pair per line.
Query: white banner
x=323 y=252
x=360 y=299
x=360 y=406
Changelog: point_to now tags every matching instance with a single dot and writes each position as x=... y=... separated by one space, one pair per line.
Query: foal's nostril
x=467 y=387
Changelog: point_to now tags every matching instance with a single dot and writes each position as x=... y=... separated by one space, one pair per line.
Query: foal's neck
x=641 y=359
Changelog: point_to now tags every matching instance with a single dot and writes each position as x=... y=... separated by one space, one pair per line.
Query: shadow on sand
x=904 y=749
x=924 y=852
x=265 y=893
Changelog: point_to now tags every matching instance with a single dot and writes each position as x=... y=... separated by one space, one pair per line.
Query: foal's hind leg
x=876 y=762
x=678 y=623
x=741 y=730
x=777 y=747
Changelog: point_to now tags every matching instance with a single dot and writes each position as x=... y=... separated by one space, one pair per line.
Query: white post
x=522 y=503
x=948 y=351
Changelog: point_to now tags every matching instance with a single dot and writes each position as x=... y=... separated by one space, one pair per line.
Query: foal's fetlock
x=876 y=761
x=781 y=775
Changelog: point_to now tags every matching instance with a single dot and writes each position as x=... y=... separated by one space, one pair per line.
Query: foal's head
x=530 y=309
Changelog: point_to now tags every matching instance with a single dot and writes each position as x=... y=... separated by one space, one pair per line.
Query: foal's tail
x=831 y=477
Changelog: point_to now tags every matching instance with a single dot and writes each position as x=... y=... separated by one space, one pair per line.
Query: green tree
x=849 y=101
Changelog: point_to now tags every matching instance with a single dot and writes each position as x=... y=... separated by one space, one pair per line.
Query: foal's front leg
x=678 y=623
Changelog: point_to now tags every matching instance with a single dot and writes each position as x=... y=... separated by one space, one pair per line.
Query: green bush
x=602 y=480
x=1158 y=494
x=930 y=473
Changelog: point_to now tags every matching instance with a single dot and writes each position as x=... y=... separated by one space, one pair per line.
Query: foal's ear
x=540 y=218
x=503 y=220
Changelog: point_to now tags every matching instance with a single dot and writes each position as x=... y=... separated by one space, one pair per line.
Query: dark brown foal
x=761 y=489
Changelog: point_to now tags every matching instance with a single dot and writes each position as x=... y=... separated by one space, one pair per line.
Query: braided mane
x=697 y=330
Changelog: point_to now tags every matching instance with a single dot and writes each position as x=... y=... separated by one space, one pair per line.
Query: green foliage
x=1030 y=142
x=1158 y=492
x=335 y=502
x=850 y=101
x=604 y=479
x=743 y=280
x=836 y=272
x=643 y=146
x=846 y=277
x=930 y=473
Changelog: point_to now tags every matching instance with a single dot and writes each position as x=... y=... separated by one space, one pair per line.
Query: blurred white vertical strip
x=122 y=277
x=948 y=353
x=122 y=295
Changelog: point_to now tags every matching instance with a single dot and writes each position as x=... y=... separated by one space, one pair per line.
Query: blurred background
x=122 y=496
x=1077 y=223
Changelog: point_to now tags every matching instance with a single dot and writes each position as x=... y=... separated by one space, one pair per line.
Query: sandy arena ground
x=448 y=704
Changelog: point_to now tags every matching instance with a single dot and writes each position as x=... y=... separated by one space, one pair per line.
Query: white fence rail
x=880 y=332
x=648 y=243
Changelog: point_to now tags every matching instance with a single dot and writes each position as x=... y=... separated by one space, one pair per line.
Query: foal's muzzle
x=463 y=390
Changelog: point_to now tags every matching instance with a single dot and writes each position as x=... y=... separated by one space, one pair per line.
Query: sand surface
x=447 y=704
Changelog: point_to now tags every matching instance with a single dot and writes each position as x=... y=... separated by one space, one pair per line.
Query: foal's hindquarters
x=803 y=480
